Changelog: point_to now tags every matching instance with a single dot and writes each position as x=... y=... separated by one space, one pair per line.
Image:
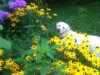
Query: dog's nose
x=58 y=30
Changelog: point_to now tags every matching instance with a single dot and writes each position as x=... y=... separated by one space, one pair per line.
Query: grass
x=83 y=18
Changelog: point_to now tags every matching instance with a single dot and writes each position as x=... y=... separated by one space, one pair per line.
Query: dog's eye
x=63 y=27
x=59 y=25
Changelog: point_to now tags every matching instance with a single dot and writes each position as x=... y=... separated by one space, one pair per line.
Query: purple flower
x=3 y=14
x=12 y=5
x=1 y=18
x=21 y=3
x=17 y=4
x=6 y=14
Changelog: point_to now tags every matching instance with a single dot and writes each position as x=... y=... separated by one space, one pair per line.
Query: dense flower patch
x=38 y=51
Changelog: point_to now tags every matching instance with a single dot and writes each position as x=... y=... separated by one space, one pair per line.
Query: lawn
x=82 y=18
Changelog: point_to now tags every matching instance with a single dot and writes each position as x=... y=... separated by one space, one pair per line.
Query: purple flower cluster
x=3 y=14
x=17 y=4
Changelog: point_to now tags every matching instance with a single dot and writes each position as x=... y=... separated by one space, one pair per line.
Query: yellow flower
x=33 y=47
x=1 y=62
x=14 y=67
x=1 y=68
x=35 y=41
x=22 y=14
x=49 y=17
x=1 y=52
x=41 y=9
x=48 y=9
x=47 y=13
x=13 y=24
x=48 y=72
x=84 y=49
x=21 y=72
x=91 y=57
x=33 y=6
x=17 y=13
x=11 y=15
x=97 y=50
x=56 y=40
x=70 y=54
x=37 y=21
x=43 y=28
x=85 y=35
x=69 y=45
x=59 y=42
x=54 y=14
x=58 y=63
x=18 y=73
x=40 y=12
x=27 y=57
x=28 y=7
x=60 y=48
x=17 y=20
x=96 y=63
x=21 y=9
x=34 y=55
x=9 y=62
x=38 y=68
x=13 y=19
x=13 y=30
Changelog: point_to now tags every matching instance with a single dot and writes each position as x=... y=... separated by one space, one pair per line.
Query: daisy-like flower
x=70 y=54
x=9 y=62
x=37 y=21
x=13 y=24
x=14 y=67
x=49 y=17
x=1 y=62
x=35 y=41
x=48 y=9
x=1 y=52
x=27 y=58
x=33 y=47
x=60 y=48
x=43 y=28
x=54 y=14
x=96 y=63
x=18 y=73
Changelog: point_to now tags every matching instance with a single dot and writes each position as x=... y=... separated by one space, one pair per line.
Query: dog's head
x=62 y=27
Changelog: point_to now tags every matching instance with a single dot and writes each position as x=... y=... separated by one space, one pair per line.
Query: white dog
x=94 y=41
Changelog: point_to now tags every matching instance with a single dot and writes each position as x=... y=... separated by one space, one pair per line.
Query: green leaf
x=39 y=56
x=48 y=63
x=43 y=70
x=1 y=28
x=28 y=52
x=5 y=44
x=54 y=47
x=29 y=26
x=50 y=55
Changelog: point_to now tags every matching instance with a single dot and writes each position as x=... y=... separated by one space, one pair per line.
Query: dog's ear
x=68 y=29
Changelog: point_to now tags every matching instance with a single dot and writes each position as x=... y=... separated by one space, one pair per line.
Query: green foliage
x=41 y=60
x=44 y=56
x=1 y=28
x=5 y=44
x=64 y=2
